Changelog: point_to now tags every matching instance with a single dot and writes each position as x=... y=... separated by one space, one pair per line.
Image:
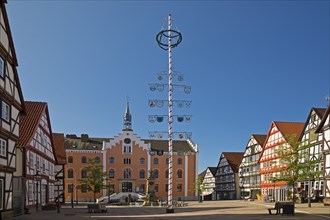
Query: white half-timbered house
x=39 y=155
x=324 y=128
x=226 y=177
x=12 y=106
x=309 y=137
x=58 y=139
x=249 y=168
x=209 y=183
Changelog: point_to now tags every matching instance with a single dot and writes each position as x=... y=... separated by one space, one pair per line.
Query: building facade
x=209 y=183
x=249 y=168
x=313 y=186
x=58 y=140
x=269 y=160
x=12 y=106
x=39 y=159
x=324 y=128
x=127 y=159
x=226 y=178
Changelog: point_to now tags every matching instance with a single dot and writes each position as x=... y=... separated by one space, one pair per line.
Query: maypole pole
x=169 y=34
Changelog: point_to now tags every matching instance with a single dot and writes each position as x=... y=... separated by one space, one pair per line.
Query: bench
x=96 y=208
x=277 y=207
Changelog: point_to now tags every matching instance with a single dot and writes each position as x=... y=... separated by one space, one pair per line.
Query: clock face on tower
x=127 y=141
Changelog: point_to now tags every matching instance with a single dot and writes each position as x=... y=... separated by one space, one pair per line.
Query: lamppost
x=71 y=187
x=37 y=179
x=273 y=181
x=76 y=195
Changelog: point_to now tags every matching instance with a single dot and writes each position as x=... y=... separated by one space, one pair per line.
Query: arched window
x=111 y=160
x=127 y=173
x=83 y=159
x=166 y=174
x=111 y=173
x=70 y=173
x=179 y=160
x=83 y=173
x=155 y=174
x=70 y=159
x=142 y=160
x=142 y=174
x=179 y=172
x=97 y=160
x=155 y=160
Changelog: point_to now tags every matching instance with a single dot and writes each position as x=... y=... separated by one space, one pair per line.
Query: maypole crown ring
x=165 y=34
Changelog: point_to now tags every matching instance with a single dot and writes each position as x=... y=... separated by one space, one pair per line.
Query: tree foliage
x=296 y=163
x=94 y=181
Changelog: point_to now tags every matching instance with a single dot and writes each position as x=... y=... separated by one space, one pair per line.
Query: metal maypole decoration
x=168 y=39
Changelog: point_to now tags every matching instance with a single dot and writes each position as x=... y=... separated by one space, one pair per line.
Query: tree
x=296 y=164
x=95 y=178
x=199 y=187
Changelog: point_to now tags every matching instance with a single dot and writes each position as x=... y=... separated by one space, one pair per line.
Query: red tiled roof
x=58 y=140
x=260 y=138
x=29 y=122
x=290 y=129
x=234 y=159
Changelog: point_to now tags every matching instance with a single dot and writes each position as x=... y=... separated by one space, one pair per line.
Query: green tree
x=94 y=181
x=199 y=186
x=296 y=164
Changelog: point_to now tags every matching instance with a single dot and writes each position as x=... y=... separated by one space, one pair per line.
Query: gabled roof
x=202 y=174
x=260 y=138
x=234 y=159
x=290 y=128
x=72 y=142
x=319 y=112
x=324 y=118
x=178 y=145
x=58 y=139
x=213 y=170
x=30 y=121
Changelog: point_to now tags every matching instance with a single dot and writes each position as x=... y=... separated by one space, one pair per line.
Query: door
x=127 y=187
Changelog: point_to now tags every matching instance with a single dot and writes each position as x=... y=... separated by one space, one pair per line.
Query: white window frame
x=5 y=111
x=3 y=147
x=2 y=67
x=2 y=193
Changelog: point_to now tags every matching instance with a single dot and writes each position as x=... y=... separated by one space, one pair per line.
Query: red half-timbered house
x=12 y=106
x=39 y=155
x=270 y=161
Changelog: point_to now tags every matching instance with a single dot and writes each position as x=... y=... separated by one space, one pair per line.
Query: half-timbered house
x=324 y=128
x=209 y=183
x=249 y=168
x=278 y=135
x=226 y=177
x=58 y=140
x=38 y=155
x=12 y=106
x=313 y=142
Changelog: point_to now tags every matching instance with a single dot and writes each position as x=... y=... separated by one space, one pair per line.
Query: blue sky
x=248 y=62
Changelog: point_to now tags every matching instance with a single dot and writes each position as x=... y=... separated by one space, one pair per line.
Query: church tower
x=127 y=119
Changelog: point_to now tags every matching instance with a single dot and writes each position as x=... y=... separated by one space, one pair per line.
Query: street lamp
x=37 y=178
x=71 y=187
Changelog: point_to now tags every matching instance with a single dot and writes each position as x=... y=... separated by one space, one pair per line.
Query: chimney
x=84 y=138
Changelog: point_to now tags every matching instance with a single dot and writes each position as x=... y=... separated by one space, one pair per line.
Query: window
x=180 y=161
x=127 y=149
x=142 y=174
x=31 y=161
x=179 y=174
x=155 y=174
x=83 y=173
x=111 y=173
x=179 y=188
x=127 y=173
x=5 y=111
x=142 y=188
x=167 y=160
x=155 y=160
x=83 y=159
x=127 y=160
x=166 y=187
x=2 y=70
x=142 y=160
x=97 y=160
x=111 y=160
x=70 y=173
x=156 y=187
x=3 y=147
x=166 y=174
x=70 y=159
x=1 y=193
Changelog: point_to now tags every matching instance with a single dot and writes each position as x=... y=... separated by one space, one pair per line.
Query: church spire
x=127 y=119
